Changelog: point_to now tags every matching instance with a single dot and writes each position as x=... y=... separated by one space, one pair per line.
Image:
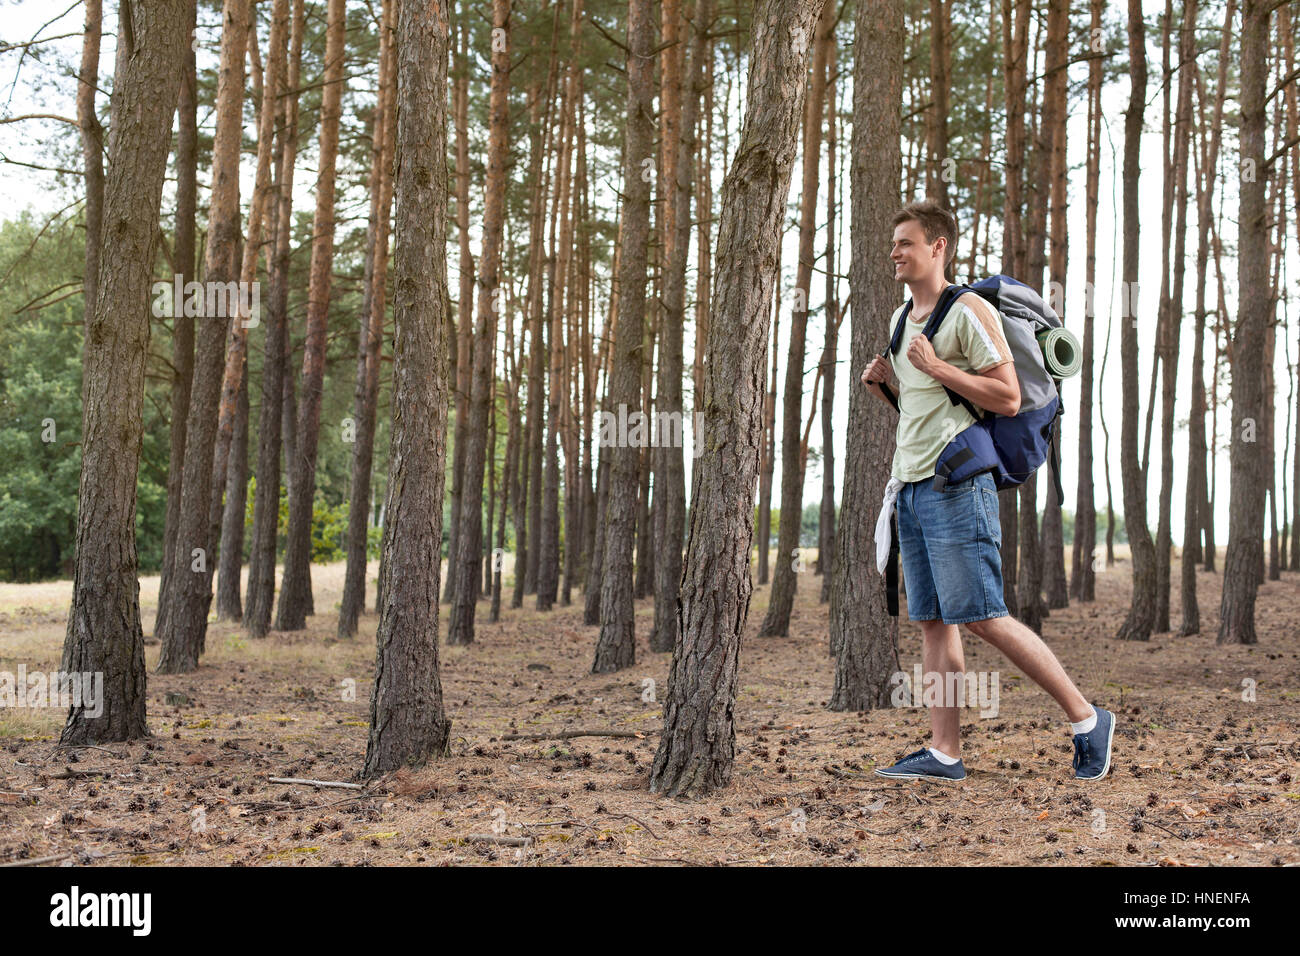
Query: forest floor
x=1199 y=775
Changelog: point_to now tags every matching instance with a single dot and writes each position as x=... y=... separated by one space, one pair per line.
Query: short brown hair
x=936 y=222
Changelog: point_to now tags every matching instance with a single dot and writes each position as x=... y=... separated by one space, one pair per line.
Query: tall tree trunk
x=408 y=724
x=1174 y=316
x=1055 y=116
x=231 y=558
x=616 y=647
x=595 y=581
x=371 y=341
x=769 y=433
x=671 y=499
x=704 y=247
x=232 y=406
x=1015 y=47
x=548 y=568
x=671 y=316
x=698 y=743
x=1207 y=155
x=187 y=159
x=826 y=517
x=1286 y=29
x=510 y=473
x=184 y=619
x=936 y=167
x=461 y=628
x=276 y=382
x=462 y=355
x=1083 y=577
x=784 y=580
x=291 y=614
x=92 y=149
x=1032 y=607
x=1141 y=616
x=536 y=345
x=863 y=637
x=1248 y=482
x=104 y=636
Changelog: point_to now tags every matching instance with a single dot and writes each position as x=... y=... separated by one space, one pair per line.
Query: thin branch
x=32 y=116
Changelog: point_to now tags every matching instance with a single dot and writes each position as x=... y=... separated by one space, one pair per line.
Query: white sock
x=943 y=758
x=1085 y=726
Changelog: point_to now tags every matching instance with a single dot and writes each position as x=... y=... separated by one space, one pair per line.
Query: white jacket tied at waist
x=883 y=536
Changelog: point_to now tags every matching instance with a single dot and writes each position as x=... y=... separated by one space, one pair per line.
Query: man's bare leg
x=1027 y=651
x=942 y=654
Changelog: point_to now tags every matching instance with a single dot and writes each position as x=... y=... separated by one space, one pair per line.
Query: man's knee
x=983 y=629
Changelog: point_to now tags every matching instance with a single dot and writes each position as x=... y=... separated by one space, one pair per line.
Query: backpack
x=1011 y=447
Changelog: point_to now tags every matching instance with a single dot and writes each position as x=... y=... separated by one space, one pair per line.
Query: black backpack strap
x=891 y=568
x=1054 y=451
x=947 y=299
x=889 y=394
x=897 y=338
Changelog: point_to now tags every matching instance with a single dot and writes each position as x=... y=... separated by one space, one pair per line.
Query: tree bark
x=936 y=168
x=183 y=611
x=826 y=517
x=1055 y=120
x=231 y=557
x=1141 y=616
x=616 y=647
x=1241 y=565
x=863 y=637
x=697 y=746
x=187 y=146
x=276 y=383
x=1083 y=577
x=295 y=586
x=1286 y=29
x=92 y=148
x=371 y=341
x=1174 y=317
x=465 y=594
x=408 y=724
x=103 y=633
x=1193 y=521
x=1015 y=46
x=671 y=499
x=776 y=623
x=769 y=434
x=462 y=354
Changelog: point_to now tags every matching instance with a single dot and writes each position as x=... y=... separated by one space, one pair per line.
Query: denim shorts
x=949 y=543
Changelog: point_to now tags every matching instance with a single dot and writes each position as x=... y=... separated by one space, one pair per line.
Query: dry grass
x=1199 y=776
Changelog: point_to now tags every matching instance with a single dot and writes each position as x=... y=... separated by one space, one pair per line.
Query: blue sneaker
x=923 y=765
x=1092 y=750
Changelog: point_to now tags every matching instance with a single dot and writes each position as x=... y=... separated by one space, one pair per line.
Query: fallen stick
x=567 y=734
x=37 y=861
x=317 y=783
x=500 y=840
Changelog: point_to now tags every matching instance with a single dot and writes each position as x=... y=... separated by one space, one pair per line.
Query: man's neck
x=925 y=294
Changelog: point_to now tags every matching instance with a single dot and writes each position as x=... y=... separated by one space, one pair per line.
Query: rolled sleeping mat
x=1061 y=352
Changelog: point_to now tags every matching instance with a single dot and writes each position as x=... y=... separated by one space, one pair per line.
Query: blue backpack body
x=1011 y=447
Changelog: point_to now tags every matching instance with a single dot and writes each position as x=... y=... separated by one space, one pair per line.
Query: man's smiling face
x=912 y=256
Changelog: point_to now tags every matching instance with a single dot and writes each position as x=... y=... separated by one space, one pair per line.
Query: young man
x=950 y=539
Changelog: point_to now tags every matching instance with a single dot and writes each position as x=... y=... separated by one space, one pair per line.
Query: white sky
x=39 y=88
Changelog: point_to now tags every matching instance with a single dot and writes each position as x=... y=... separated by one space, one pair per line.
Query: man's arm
x=996 y=389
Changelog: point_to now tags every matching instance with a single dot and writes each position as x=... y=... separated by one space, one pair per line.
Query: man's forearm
x=982 y=390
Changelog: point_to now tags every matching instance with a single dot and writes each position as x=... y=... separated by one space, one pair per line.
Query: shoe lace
x=1082 y=750
x=923 y=752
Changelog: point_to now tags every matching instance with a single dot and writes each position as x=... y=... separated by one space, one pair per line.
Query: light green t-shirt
x=970 y=339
